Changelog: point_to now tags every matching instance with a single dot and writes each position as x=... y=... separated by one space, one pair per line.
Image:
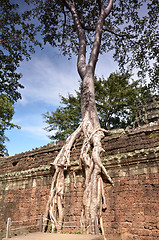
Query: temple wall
x=131 y=159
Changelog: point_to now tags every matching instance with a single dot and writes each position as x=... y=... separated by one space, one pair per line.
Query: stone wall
x=131 y=159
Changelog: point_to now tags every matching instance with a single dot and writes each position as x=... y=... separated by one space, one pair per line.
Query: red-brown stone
x=132 y=203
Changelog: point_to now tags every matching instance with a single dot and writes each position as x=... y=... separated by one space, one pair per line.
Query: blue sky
x=46 y=76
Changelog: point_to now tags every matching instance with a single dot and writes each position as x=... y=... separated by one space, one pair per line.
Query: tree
x=66 y=118
x=6 y=115
x=17 y=39
x=117 y=102
x=118 y=99
x=73 y=25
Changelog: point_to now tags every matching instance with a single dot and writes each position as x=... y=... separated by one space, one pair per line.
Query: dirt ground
x=56 y=236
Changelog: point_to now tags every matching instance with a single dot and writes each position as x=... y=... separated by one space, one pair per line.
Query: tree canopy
x=117 y=100
x=17 y=38
x=130 y=30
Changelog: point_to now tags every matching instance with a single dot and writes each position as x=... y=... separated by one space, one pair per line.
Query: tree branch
x=98 y=35
x=109 y=7
x=81 y=61
x=91 y=29
x=119 y=34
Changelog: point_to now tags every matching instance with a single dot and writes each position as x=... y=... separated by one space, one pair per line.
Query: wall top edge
x=109 y=162
x=115 y=133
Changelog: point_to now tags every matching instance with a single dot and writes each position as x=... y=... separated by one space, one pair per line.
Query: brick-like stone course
x=133 y=204
x=131 y=159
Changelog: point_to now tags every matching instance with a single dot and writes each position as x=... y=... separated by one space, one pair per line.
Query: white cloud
x=48 y=75
x=45 y=79
x=37 y=131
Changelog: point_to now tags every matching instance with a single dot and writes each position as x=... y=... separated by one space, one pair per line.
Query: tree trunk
x=90 y=156
x=93 y=198
x=92 y=134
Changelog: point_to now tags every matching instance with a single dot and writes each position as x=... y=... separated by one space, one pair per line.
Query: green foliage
x=6 y=115
x=17 y=38
x=117 y=100
x=130 y=30
x=9 y=52
x=66 y=118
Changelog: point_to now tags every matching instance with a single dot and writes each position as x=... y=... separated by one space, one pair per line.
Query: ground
x=56 y=236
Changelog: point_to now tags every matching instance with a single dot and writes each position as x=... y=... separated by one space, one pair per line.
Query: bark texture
x=92 y=134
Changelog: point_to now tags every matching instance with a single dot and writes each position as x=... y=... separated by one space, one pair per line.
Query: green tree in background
x=6 y=115
x=66 y=118
x=117 y=100
x=17 y=39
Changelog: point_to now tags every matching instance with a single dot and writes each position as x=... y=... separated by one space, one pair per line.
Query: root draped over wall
x=93 y=197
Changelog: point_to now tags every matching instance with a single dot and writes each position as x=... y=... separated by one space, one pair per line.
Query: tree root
x=54 y=207
x=94 y=192
x=63 y=158
x=93 y=198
